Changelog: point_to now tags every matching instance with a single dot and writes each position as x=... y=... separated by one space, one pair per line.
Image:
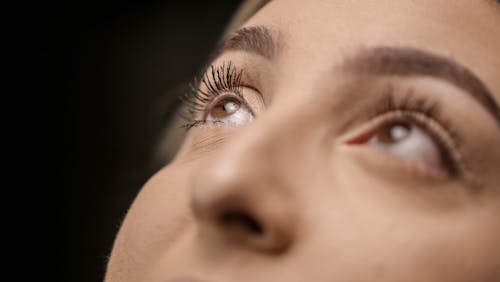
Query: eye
x=408 y=141
x=228 y=110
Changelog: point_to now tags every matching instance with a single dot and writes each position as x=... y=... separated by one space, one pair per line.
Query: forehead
x=318 y=31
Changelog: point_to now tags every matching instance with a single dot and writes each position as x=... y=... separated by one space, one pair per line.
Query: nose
x=244 y=194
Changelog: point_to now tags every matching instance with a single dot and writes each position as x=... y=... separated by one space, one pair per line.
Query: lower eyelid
x=379 y=162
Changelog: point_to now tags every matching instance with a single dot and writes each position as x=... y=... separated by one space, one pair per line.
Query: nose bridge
x=272 y=139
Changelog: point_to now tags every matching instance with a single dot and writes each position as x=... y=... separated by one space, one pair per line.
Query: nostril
x=239 y=220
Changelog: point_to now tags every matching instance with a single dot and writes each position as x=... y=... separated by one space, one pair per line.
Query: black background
x=105 y=72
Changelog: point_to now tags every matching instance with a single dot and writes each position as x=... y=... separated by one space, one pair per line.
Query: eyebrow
x=382 y=60
x=258 y=40
x=408 y=62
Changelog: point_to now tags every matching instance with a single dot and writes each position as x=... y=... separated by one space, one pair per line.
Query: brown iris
x=224 y=108
x=393 y=132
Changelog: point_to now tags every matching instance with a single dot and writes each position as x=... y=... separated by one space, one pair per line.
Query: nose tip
x=245 y=192
x=238 y=217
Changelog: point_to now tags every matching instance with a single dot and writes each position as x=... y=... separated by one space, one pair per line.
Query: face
x=333 y=141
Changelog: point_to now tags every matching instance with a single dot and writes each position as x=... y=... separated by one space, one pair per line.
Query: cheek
x=156 y=220
x=378 y=245
x=456 y=248
x=376 y=230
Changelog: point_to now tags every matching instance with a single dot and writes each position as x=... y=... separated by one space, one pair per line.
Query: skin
x=330 y=210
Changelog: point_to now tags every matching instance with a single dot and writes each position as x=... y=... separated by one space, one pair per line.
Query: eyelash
x=425 y=113
x=216 y=81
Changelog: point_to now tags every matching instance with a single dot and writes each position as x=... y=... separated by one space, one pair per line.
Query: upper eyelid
x=408 y=61
x=212 y=81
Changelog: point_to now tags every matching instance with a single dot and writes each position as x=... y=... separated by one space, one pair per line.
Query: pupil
x=230 y=107
x=399 y=131
x=393 y=133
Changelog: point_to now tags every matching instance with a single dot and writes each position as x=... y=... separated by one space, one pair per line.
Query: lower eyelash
x=215 y=81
